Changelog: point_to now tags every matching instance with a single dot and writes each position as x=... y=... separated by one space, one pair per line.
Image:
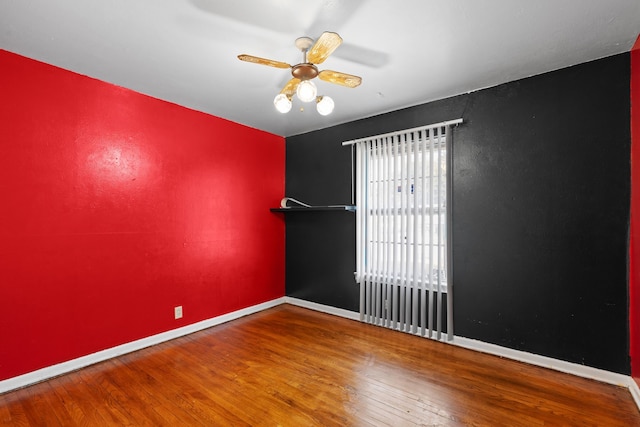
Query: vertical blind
x=403 y=245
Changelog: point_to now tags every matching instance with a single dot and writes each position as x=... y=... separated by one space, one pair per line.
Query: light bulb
x=306 y=91
x=282 y=103
x=325 y=105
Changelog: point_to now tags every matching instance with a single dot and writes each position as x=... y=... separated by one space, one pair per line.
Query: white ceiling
x=407 y=51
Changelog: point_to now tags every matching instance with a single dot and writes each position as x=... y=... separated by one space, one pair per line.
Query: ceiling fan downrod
x=305 y=70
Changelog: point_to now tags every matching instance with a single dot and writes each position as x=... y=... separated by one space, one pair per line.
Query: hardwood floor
x=289 y=366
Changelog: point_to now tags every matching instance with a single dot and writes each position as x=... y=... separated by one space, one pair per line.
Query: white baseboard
x=81 y=362
x=496 y=350
x=544 y=361
x=323 y=308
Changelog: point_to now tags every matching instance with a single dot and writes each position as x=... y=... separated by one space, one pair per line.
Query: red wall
x=634 y=241
x=115 y=207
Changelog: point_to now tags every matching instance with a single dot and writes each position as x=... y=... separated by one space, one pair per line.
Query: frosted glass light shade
x=282 y=103
x=325 y=105
x=306 y=91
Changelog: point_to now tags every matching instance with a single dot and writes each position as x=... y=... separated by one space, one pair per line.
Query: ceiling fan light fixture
x=282 y=103
x=306 y=91
x=324 y=105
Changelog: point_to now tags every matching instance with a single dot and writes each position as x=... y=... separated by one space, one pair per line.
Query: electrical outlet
x=177 y=312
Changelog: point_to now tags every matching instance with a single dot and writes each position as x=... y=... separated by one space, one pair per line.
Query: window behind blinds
x=402 y=217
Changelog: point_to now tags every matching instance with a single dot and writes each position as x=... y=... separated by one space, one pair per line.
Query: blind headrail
x=402 y=132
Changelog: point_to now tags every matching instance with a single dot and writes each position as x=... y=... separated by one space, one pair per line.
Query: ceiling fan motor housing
x=304 y=71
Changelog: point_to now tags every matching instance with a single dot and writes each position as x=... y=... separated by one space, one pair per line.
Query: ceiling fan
x=301 y=84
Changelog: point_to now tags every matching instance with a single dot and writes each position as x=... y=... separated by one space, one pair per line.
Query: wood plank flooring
x=289 y=366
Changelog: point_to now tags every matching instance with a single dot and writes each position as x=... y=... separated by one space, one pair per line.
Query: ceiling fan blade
x=291 y=86
x=323 y=47
x=340 y=78
x=263 y=61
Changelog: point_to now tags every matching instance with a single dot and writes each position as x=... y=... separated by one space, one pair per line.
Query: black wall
x=541 y=194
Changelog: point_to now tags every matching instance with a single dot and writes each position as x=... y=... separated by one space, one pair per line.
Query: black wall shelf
x=348 y=208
